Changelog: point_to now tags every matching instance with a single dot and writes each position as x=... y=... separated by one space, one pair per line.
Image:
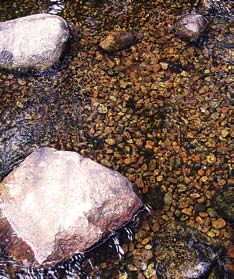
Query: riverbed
x=159 y=112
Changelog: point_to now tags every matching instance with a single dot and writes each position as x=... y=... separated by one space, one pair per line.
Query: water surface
x=158 y=112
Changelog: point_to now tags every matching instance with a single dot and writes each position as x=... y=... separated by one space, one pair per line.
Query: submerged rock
x=206 y=4
x=216 y=7
x=59 y=203
x=32 y=42
x=224 y=203
x=182 y=253
x=117 y=41
x=191 y=26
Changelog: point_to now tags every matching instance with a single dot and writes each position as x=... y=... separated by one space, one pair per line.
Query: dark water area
x=158 y=112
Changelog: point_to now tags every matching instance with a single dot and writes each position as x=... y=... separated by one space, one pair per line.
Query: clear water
x=61 y=108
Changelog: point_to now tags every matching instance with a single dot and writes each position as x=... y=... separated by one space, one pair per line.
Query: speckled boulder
x=191 y=26
x=32 y=42
x=60 y=203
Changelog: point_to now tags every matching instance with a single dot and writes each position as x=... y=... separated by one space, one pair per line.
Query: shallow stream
x=158 y=112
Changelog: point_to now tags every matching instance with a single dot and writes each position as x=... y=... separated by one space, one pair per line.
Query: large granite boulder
x=57 y=203
x=32 y=42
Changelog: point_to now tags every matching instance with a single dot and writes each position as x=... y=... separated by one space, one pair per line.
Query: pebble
x=21 y=81
x=130 y=160
x=132 y=267
x=149 y=144
x=148 y=247
x=164 y=65
x=117 y=41
x=159 y=178
x=168 y=198
x=182 y=188
x=110 y=141
x=150 y=271
x=102 y=109
x=195 y=195
x=156 y=227
x=187 y=211
x=225 y=133
x=204 y=179
x=211 y=158
x=219 y=223
x=19 y=104
x=211 y=211
x=123 y=276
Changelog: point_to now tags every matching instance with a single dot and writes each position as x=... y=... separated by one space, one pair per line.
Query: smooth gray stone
x=32 y=42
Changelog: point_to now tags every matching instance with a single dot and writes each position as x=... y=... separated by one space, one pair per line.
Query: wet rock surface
x=60 y=204
x=221 y=7
x=180 y=253
x=117 y=41
x=32 y=42
x=191 y=26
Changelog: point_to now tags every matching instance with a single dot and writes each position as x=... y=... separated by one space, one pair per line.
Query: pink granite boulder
x=58 y=203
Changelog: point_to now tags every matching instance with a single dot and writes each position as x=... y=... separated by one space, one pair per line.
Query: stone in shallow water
x=191 y=26
x=224 y=202
x=32 y=42
x=60 y=203
x=118 y=41
x=183 y=253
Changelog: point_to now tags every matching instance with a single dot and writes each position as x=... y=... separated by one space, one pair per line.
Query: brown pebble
x=117 y=41
x=219 y=223
x=164 y=65
x=130 y=160
x=155 y=227
x=195 y=195
x=110 y=141
x=188 y=211
x=200 y=220
x=149 y=144
x=139 y=142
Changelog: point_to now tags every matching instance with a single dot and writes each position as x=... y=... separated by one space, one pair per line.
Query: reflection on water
x=82 y=264
x=52 y=6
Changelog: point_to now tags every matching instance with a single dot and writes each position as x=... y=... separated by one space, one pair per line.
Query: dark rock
x=224 y=203
x=117 y=41
x=154 y=198
x=199 y=207
x=181 y=253
x=191 y=26
x=206 y=4
x=220 y=7
x=58 y=203
x=34 y=42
